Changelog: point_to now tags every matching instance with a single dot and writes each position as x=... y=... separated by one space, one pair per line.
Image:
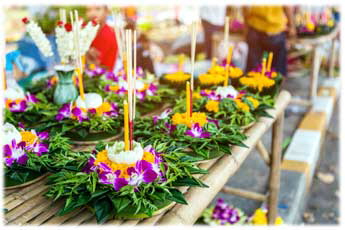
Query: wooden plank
x=79 y=218
x=61 y=219
x=40 y=190
x=263 y=152
x=23 y=191
x=26 y=206
x=41 y=218
x=41 y=207
x=244 y=193
x=199 y=198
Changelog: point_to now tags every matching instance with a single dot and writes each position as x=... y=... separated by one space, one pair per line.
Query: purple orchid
x=216 y=122
x=114 y=111
x=111 y=76
x=197 y=132
x=79 y=114
x=20 y=107
x=210 y=95
x=64 y=112
x=141 y=173
x=98 y=71
x=224 y=213
x=170 y=127
x=163 y=115
x=90 y=165
x=31 y=98
x=141 y=95
x=15 y=153
x=151 y=90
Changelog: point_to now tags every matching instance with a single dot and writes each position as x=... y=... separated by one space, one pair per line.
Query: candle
x=4 y=80
x=263 y=69
x=126 y=124
x=83 y=61
x=188 y=101
x=180 y=63
x=269 y=62
x=228 y=61
x=214 y=61
x=81 y=86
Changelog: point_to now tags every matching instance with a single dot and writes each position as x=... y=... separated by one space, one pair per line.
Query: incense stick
x=135 y=69
x=193 y=54
x=226 y=32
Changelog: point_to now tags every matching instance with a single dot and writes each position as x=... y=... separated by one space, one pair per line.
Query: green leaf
x=102 y=209
x=120 y=203
x=189 y=181
x=177 y=196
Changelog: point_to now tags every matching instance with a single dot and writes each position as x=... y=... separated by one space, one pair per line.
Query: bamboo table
x=28 y=206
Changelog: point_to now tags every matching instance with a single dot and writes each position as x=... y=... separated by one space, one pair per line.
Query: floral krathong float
x=23 y=107
x=263 y=79
x=27 y=153
x=177 y=78
x=87 y=120
x=125 y=179
x=223 y=214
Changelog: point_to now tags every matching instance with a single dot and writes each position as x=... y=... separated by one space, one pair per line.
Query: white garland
x=39 y=38
x=64 y=42
x=87 y=35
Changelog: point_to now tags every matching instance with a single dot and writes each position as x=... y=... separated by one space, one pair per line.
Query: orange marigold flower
x=212 y=106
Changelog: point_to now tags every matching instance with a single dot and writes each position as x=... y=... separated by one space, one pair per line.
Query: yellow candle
x=81 y=85
x=263 y=70
x=269 y=62
x=188 y=99
x=180 y=63
x=214 y=61
x=4 y=80
x=126 y=121
x=83 y=61
x=228 y=61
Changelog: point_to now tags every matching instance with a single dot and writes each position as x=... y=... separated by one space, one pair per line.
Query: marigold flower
x=255 y=102
x=241 y=105
x=212 y=106
x=182 y=118
x=177 y=77
x=28 y=137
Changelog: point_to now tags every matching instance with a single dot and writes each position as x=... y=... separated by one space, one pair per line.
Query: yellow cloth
x=268 y=19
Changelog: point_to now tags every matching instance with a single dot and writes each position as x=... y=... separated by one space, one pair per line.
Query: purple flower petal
x=43 y=135
x=9 y=161
x=149 y=176
x=119 y=183
x=7 y=151
x=22 y=159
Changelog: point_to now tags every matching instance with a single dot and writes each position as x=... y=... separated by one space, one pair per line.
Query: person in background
x=266 y=30
x=212 y=19
x=103 y=51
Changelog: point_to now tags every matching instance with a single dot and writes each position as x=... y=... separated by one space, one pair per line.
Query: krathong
x=224 y=214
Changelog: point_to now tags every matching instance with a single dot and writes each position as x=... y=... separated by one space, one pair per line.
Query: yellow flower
x=217 y=70
x=28 y=137
x=105 y=107
x=92 y=66
x=235 y=72
x=177 y=77
x=241 y=105
x=212 y=106
x=196 y=95
x=310 y=26
x=149 y=157
x=330 y=23
x=257 y=81
x=114 y=87
x=197 y=117
x=260 y=218
x=211 y=79
x=102 y=157
x=255 y=102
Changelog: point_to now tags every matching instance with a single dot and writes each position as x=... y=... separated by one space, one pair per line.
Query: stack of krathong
x=193 y=131
x=263 y=79
x=125 y=179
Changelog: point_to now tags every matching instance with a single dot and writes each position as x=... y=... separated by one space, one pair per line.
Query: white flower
x=87 y=35
x=39 y=38
x=10 y=133
x=92 y=101
x=117 y=153
x=13 y=93
x=64 y=42
x=139 y=84
x=224 y=92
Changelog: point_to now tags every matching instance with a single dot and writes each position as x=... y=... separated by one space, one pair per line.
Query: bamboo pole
x=263 y=152
x=314 y=73
x=274 y=181
x=60 y=219
x=244 y=193
x=332 y=60
x=48 y=213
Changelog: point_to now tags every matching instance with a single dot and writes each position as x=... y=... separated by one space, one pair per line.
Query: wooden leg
x=314 y=73
x=244 y=193
x=263 y=152
x=332 y=60
x=274 y=181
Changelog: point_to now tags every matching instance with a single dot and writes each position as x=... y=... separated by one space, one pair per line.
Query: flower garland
x=38 y=36
x=223 y=214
